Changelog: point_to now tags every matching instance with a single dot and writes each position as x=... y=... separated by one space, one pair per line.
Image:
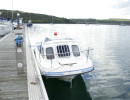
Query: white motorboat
x=62 y=59
x=29 y=24
x=2 y=31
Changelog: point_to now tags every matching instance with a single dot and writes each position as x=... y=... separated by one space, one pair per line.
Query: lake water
x=110 y=79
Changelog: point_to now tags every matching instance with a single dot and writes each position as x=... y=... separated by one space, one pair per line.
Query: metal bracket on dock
x=19 y=52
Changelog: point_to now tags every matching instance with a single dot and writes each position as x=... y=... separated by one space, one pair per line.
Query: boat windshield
x=75 y=50
x=63 y=51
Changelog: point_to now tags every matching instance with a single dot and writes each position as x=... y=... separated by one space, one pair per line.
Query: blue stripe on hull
x=51 y=74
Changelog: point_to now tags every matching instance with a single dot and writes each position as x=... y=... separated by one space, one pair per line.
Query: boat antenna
x=12 y=9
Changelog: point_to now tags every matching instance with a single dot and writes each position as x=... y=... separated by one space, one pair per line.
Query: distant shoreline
x=83 y=24
x=46 y=19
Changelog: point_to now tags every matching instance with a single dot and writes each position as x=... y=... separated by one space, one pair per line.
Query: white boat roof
x=53 y=41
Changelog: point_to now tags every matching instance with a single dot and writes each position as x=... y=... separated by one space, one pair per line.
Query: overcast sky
x=100 y=9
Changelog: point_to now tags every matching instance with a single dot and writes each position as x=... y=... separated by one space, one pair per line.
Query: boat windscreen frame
x=63 y=51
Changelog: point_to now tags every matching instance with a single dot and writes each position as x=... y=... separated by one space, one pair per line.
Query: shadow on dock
x=61 y=90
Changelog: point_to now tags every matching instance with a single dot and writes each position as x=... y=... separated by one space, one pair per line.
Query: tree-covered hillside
x=42 y=18
x=35 y=18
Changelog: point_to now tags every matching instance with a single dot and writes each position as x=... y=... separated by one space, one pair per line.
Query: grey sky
x=100 y=9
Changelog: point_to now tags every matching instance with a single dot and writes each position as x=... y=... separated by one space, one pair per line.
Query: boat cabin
x=52 y=49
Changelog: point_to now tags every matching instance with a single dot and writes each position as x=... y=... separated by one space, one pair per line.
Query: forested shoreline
x=43 y=18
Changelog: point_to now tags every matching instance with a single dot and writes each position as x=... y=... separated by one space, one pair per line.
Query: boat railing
x=51 y=56
x=84 y=51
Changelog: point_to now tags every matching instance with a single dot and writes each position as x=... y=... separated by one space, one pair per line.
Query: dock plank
x=13 y=86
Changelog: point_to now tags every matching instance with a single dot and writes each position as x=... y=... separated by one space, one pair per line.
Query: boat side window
x=75 y=50
x=49 y=53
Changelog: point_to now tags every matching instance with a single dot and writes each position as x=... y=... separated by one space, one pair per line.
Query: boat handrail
x=66 y=52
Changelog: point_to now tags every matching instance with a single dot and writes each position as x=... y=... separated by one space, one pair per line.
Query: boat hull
x=67 y=76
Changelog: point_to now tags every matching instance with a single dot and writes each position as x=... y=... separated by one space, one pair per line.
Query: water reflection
x=111 y=78
x=61 y=90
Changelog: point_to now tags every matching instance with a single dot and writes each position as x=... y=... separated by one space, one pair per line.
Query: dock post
x=19 y=53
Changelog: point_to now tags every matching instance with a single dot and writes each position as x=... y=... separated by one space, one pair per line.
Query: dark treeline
x=35 y=18
x=84 y=21
x=105 y=21
x=42 y=18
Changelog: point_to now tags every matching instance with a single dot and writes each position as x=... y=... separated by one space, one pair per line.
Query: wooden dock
x=14 y=85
